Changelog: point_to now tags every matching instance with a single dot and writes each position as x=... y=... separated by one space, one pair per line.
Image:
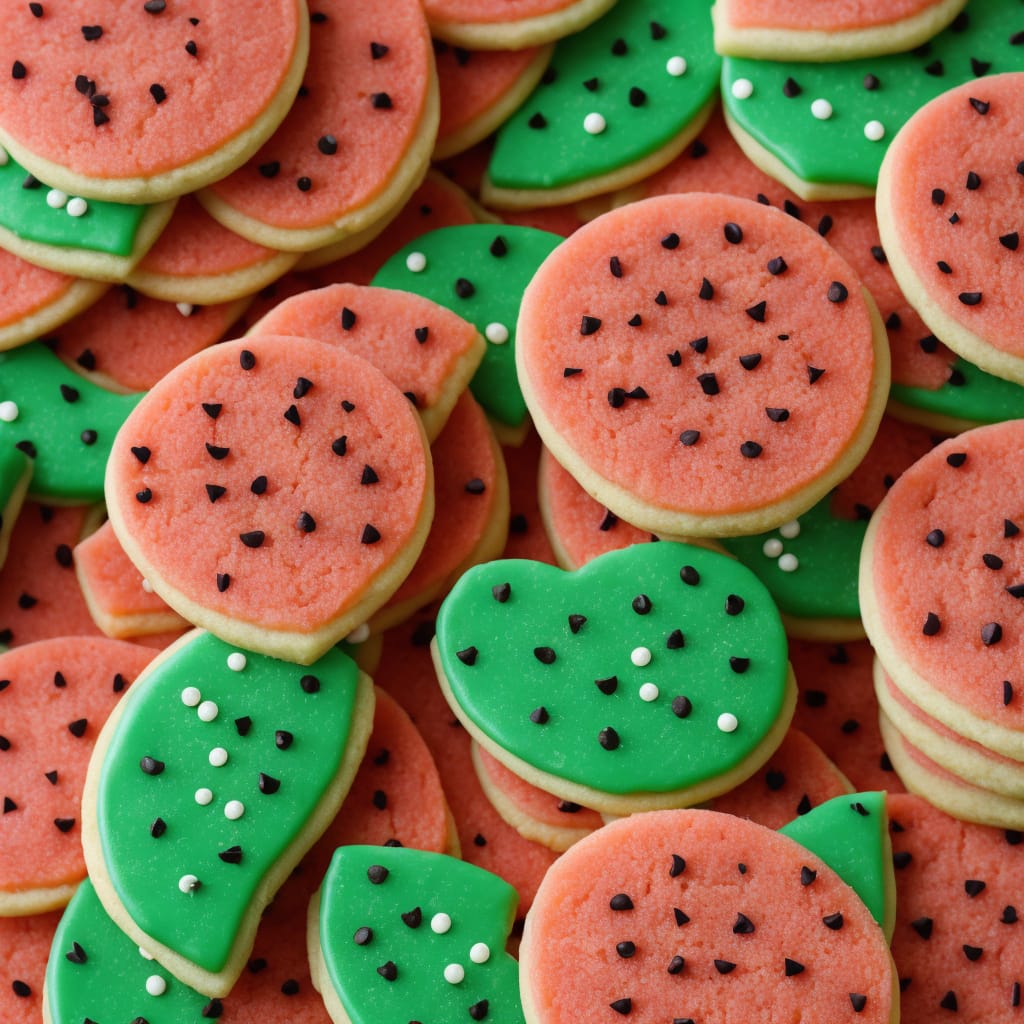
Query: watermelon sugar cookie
x=145 y=103
x=618 y=101
x=951 y=227
x=308 y=467
x=690 y=391
x=357 y=140
x=219 y=765
x=579 y=683
x=55 y=696
x=828 y=31
x=24 y=951
x=683 y=915
x=939 y=585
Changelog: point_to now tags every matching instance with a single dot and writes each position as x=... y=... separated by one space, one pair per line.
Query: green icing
x=104 y=227
x=976 y=396
x=824 y=584
x=110 y=983
x=562 y=152
x=68 y=463
x=658 y=751
x=836 y=150
x=498 y=274
x=481 y=907
x=850 y=834
x=145 y=870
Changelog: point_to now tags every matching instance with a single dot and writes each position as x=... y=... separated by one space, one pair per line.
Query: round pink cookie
x=127 y=341
x=703 y=365
x=696 y=915
x=275 y=490
x=958 y=945
x=796 y=778
x=24 y=949
x=140 y=104
x=579 y=527
x=55 y=696
x=938 y=584
x=428 y=352
x=950 y=227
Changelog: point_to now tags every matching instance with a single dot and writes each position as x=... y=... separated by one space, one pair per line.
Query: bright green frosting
x=976 y=396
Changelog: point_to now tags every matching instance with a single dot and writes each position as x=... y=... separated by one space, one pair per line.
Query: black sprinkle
x=223 y=581
x=467 y=656
x=637 y=97
x=725 y=966
x=158 y=828
x=676 y=640
x=733 y=233
x=499 y=247
x=837 y=292
x=777 y=415
x=858 y=1001
x=932 y=624
x=589 y=325
x=690 y=576
x=948 y=1001
x=973 y=886
x=545 y=655
x=370 y=534
x=388 y=971
x=970 y=298
x=642 y=604
x=699 y=345
x=956 y=459
x=661 y=299
x=151 y=766
x=268 y=784
x=743 y=925
x=708 y=383
x=615 y=266
x=380 y=101
x=191 y=49
x=622 y=1006
x=270 y=169
x=707 y=290
x=756 y=313
x=681 y=706
x=833 y=921
x=739 y=665
x=464 y=288
x=670 y=241
x=538 y=120
x=991 y=633
x=620 y=901
x=77 y=728
x=607 y=686
x=619 y=48
x=232 y=855
x=309 y=684
x=979 y=105
x=1010 y=241
x=675 y=966
x=776 y=266
x=243 y=725
x=814 y=374
x=973 y=181
x=303 y=184
x=791 y=88
x=608 y=738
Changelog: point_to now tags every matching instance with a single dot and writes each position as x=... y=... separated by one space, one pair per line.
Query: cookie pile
x=442 y=447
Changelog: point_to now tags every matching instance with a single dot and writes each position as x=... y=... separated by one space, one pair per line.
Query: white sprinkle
x=8 y=411
x=145 y=954
x=640 y=656
x=772 y=547
x=479 y=952
x=148 y=588
x=155 y=985
x=649 y=692
x=454 y=973
x=236 y=661
x=728 y=722
x=204 y=796
x=234 y=809
x=77 y=207
x=496 y=334
x=191 y=696
x=3 y=157
x=874 y=131
x=821 y=109
x=185 y=308
x=359 y=635
x=676 y=66
x=742 y=89
x=594 y=123
x=207 y=711
x=55 y=199
x=188 y=883
x=789 y=563
x=218 y=757
x=791 y=529
x=416 y=262
x=440 y=923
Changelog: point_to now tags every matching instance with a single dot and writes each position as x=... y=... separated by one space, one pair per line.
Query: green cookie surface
x=406 y=935
x=651 y=670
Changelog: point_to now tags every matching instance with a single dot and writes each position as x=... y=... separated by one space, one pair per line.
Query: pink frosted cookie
x=196 y=260
x=695 y=915
x=55 y=696
x=36 y=300
x=471 y=512
x=357 y=141
x=827 y=30
x=24 y=949
x=486 y=840
x=428 y=352
x=535 y=814
x=484 y=25
x=796 y=778
x=951 y=227
x=579 y=527
x=685 y=391
x=145 y=103
x=119 y=598
x=838 y=710
x=480 y=89
x=958 y=945
x=939 y=585
x=127 y=341
x=308 y=467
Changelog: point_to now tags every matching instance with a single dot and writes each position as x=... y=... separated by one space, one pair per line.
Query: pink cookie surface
x=24 y=950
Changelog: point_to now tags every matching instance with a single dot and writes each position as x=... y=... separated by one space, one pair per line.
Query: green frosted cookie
x=822 y=129
x=405 y=935
x=64 y=423
x=480 y=272
x=655 y=676
x=618 y=102
x=212 y=778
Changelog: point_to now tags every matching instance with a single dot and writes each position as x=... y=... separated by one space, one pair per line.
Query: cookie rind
x=564 y=18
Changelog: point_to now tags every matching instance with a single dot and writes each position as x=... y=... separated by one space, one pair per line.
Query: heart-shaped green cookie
x=656 y=676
